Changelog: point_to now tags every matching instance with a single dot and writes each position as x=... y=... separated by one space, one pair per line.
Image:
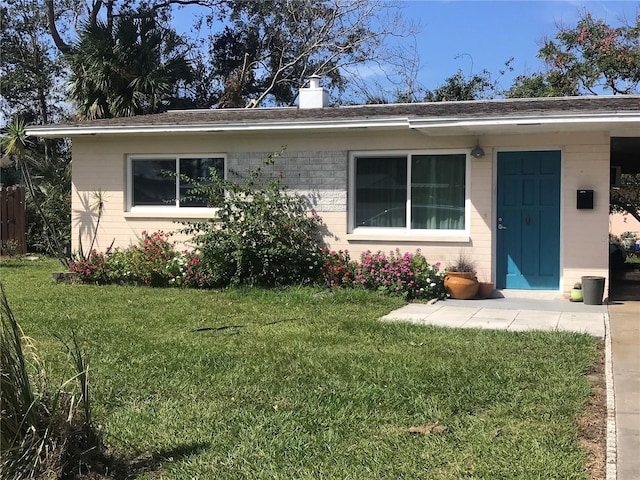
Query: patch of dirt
x=431 y=428
x=592 y=422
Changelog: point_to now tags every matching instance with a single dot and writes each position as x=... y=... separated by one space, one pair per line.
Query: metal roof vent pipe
x=313 y=96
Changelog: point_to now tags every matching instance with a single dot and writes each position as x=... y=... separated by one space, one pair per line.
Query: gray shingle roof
x=539 y=107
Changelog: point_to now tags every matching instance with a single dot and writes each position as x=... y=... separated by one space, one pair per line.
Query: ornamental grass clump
x=44 y=433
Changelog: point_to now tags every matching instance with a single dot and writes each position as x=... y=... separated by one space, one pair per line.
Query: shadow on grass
x=125 y=467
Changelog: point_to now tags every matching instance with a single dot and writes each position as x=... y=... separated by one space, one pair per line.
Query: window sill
x=398 y=237
x=205 y=213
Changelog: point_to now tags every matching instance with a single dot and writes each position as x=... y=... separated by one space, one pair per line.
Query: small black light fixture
x=477 y=151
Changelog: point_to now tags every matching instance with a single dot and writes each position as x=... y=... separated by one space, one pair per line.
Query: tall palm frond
x=131 y=70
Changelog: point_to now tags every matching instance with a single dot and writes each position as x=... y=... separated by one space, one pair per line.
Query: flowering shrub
x=428 y=279
x=407 y=274
x=195 y=273
x=337 y=268
x=263 y=235
x=400 y=274
x=153 y=261
x=95 y=268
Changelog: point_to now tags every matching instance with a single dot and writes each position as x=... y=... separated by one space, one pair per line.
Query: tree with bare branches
x=274 y=45
x=253 y=53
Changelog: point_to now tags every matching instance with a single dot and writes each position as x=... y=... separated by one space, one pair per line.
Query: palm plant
x=17 y=146
x=132 y=70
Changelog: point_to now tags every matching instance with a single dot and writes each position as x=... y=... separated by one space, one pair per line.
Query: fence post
x=13 y=225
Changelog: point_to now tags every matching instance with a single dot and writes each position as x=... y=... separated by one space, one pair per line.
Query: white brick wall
x=320 y=176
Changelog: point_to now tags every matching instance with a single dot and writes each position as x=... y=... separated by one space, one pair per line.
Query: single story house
x=521 y=186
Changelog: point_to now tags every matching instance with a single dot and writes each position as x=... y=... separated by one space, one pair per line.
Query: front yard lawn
x=294 y=383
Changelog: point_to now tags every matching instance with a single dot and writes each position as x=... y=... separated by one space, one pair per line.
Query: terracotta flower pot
x=486 y=289
x=461 y=285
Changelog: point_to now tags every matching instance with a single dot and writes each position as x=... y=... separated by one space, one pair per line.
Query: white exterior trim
x=385 y=123
x=574 y=122
x=162 y=210
x=406 y=233
x=623 y=117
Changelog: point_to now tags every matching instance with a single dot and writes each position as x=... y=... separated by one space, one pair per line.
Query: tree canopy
x=30 y=69
x=589 y=58
x=131 y=68
x=593 y=56
x=625 y=198
x=129 y=60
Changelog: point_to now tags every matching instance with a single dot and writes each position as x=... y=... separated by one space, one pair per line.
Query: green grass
x=309 y=386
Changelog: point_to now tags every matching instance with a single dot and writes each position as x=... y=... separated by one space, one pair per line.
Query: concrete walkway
x=624 y=318
x=548 y=313
x=513 y=314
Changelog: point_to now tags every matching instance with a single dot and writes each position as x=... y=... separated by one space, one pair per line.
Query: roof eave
x=432 y=124
x=69 y=131
x=526 y=120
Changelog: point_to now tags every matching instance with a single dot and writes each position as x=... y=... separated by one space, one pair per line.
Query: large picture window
x=409 y=192
x=160 y=181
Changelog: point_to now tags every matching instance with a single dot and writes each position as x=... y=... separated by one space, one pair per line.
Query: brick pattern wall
x=320 y=176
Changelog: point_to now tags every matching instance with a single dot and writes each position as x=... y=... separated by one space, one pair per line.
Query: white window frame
x=167 y=208
x=407 y=231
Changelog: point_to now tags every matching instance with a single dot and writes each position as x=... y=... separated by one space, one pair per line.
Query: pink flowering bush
x=393 y=273
x=153 y=261
x=95 y=268
x=196 y=273
x=337 y=268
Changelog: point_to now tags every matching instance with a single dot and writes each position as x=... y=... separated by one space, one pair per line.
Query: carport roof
x=439 y=118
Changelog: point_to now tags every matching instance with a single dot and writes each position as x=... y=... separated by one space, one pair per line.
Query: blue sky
x=472 y=35
x=476 y=35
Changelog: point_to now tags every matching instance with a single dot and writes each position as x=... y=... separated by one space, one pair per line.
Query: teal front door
x=528 y=214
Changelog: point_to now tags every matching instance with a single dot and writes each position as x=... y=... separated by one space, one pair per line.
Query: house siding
x=586 y=232
x=316 y=165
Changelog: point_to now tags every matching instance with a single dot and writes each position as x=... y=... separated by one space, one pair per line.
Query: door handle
x=501 y=227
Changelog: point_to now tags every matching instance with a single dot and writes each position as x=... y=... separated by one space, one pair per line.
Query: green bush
x=263 y=235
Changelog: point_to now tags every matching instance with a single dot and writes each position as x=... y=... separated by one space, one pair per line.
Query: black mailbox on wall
x=585 y=200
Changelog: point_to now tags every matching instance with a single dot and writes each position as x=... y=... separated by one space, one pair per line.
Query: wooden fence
x=13 y=224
